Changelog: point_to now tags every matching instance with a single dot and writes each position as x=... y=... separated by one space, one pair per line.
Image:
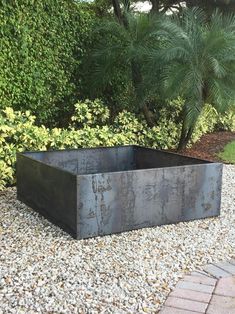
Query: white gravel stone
x=44 y=270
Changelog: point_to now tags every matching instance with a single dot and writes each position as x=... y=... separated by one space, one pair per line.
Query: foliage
x=42 y=43
x=18 y=132
x=161 y=56
x=174 y=6
x=117 y=90
x=210 y=5
x=121 y=50
x=226 y=122
x=228 y=153
x=206 y=122
x=90 y=113
x=197 y=60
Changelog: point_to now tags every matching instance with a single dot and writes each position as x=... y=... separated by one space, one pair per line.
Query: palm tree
x=187 y=55
x=126 y=45
x=198 y=63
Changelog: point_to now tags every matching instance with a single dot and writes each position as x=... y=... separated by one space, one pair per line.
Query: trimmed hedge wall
x=42 y=43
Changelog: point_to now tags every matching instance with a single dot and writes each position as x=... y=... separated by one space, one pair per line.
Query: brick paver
x=216 y=271
x=219 y=309
x=191 y=295
x=201 y=279
x=186 y=304
x=226 y=287
x=201 y=273
x=172 y=310
x=221 y=305
x=227 y=267
x=219 y=299
x=194 y=286
x=211 y=291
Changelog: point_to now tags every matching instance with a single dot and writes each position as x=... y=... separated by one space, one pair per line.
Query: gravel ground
x=43 y=270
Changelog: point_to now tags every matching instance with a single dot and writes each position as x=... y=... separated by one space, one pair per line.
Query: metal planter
x=98 y=191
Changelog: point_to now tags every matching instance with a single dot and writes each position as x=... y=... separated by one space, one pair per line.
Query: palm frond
x=193 y=109
x=196 y=53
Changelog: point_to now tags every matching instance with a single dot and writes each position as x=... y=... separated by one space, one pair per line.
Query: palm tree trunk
x=137 y=80
x=183 y=134
x=185 y=137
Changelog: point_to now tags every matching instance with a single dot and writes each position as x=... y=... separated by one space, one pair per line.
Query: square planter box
x=97 y=191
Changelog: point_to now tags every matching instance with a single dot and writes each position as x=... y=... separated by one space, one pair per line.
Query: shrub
x=89 y=127
x=226 y=122
x=90 y=113
x=42 y=43
x=206 y=122
x=18 y=132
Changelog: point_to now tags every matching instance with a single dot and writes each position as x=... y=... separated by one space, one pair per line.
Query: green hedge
x=42 y=43
x=89 y=127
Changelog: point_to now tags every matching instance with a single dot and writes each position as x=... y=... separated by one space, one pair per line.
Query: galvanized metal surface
x=91 y=192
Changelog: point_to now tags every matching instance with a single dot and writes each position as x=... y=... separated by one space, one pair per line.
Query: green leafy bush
x=42 y=43
x=206 y=122
x=90 y=113
x=89 y=127
x=18 y=132
x=226 y=122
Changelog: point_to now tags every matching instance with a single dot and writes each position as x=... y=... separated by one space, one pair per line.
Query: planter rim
x=28 y=154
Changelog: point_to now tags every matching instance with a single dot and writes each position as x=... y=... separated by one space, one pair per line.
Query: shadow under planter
x=98 y=191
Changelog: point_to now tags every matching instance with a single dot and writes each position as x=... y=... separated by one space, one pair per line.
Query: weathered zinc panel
x=122 y=201
x=50 y=191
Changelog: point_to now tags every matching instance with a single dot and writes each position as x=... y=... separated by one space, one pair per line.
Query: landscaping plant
x=198 y=58
x=89 y=127
x=42 y=45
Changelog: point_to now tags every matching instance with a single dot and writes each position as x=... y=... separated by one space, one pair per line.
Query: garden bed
x=210 y=145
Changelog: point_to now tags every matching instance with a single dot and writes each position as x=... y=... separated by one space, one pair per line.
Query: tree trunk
x=137 y=80
x=185 y=136
x=117 y=10
x=155 y=6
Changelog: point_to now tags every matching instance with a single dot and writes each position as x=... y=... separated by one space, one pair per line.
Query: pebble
x=44 y=270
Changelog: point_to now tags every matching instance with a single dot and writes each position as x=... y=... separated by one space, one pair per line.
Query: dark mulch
x=209 y=145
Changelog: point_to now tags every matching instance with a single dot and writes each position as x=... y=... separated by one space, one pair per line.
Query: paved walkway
x=210 y=291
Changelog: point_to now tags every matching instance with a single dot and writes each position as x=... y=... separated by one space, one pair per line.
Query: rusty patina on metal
x=98 y=191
